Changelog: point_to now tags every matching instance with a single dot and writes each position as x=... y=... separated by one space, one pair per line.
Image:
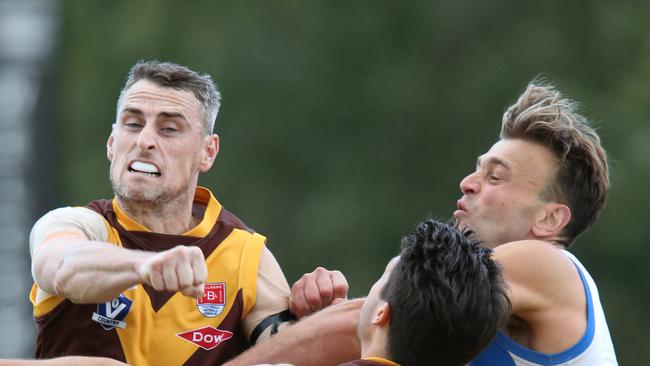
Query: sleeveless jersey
x=145 y=327
x=594 y=348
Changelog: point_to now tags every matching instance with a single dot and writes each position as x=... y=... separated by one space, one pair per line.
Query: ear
x=109 y=145
x=209 y=152
x=551 y=220
x=382 y=315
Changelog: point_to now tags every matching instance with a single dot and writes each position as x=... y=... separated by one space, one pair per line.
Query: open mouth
x=144 y=168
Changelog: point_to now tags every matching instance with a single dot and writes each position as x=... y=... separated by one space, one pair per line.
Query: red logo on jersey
x=214 y=299
x=206 y=337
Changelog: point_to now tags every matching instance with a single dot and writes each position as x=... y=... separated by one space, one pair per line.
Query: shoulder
x=537 y=273
x=531 y=255
x=534 y=259
x=70 y=216
x=75 y=219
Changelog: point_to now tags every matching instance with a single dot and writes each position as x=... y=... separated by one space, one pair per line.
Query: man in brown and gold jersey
x=162 y=274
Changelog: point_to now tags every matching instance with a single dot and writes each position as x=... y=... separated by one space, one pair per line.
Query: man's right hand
x=178 y=269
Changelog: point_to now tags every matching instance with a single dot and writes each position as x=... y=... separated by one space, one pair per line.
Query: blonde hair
x=542 y=115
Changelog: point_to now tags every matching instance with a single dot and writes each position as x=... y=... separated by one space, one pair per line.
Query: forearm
x=325 y=338
x=86 y=271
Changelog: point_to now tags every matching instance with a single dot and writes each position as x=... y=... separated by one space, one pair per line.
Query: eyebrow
x=161 y=114
x=493 y=161
x=172 y=115
x=133 y=111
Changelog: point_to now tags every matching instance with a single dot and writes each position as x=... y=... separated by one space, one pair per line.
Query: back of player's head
x=179 y=77
x=542 y=115
x=447 y=297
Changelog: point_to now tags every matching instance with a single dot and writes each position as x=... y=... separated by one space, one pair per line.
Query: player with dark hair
x=439 y=303
x=110 y=277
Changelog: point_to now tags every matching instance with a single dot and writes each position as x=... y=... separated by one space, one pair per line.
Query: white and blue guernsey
x=594 y=348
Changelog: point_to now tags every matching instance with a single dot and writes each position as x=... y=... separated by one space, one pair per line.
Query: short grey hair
x=171 y=75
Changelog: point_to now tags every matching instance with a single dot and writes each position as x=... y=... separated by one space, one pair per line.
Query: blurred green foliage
x=345 y=123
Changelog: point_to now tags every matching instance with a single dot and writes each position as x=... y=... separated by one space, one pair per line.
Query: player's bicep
x=272 y=299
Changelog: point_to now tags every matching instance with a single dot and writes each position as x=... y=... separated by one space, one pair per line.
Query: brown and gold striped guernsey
x=163 y=328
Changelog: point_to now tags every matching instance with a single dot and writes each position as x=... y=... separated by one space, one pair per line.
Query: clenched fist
x=316 y=290
x=178 y=269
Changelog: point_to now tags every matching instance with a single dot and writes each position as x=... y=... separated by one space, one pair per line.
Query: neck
x=375 y=346
x=171 y=217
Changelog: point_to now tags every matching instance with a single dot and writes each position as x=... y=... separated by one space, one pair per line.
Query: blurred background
x=343 y=123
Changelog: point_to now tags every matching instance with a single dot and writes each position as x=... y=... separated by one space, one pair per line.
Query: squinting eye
x=133 y=124
x=169 y=130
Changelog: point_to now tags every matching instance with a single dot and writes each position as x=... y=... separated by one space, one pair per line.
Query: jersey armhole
x=249 y=267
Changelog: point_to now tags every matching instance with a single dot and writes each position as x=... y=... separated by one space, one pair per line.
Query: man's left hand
x=317 y=290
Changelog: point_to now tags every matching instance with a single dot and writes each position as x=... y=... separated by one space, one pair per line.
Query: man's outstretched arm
x=70 y=260
x=327 y=337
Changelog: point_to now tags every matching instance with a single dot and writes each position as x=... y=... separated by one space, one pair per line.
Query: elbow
x=61 y=281
x=55 y=276
x=45 y=271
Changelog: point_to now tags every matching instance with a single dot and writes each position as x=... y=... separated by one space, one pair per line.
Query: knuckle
x=342 y=286
x=181 y=252
x=156 y=265
x=314 y=302
x=298 y=285
x=196 y=251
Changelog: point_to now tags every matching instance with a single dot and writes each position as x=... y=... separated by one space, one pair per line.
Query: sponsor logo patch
x=206 y=337
x=111 y=314
x=214 y=299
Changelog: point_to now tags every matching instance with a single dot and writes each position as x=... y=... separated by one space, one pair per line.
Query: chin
x=462 y=224
x=139 y=194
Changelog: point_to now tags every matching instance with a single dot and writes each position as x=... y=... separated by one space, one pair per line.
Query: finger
x=169 y=276
x=199 y=268
x=193 y=291
x=338 y=300
x=340 y=285
x=155 y=276
x=325 y=289
x=297 y=302
x=185 y=274
x=312 y=296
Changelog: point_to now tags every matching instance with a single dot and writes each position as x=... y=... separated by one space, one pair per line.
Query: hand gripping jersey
x=594 y=348
x=145 y=327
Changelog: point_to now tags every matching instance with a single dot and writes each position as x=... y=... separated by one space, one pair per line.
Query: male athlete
x=439 y=303
x=162 y=274
x=533 y=193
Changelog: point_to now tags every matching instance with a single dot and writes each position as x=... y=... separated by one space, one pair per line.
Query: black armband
x=272 y=321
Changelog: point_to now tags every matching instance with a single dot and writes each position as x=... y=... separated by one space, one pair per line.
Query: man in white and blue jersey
x=532 y=194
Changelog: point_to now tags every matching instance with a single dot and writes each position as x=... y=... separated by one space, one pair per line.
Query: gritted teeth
x=140 y=166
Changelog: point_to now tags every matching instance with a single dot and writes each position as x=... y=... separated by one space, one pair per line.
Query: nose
x=147 y=138
x=470 y=184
